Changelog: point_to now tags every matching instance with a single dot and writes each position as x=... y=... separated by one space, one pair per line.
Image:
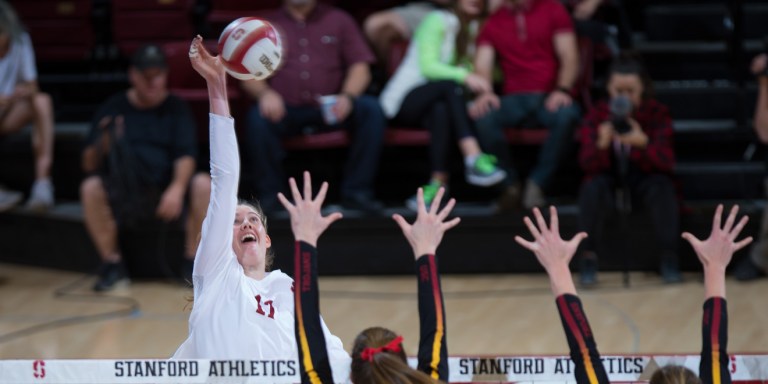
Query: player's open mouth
x=247 y=238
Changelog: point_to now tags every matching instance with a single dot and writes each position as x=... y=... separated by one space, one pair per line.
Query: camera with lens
x=621 y=108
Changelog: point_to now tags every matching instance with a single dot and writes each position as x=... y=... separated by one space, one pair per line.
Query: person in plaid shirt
x=627 y=143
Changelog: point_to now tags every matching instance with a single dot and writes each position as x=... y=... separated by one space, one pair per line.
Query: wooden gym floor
x=487 y=314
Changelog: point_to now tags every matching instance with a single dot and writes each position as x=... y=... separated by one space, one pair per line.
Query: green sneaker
x=484 y=171
x=430 y=191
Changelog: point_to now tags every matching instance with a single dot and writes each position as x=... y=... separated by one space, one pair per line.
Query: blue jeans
x=516 y=109
x=366 y=127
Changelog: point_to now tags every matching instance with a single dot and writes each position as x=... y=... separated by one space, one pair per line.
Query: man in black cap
x=140 y=162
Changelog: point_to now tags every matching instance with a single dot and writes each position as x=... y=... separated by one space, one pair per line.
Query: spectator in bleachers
x=603 y=21
x=534 y=42
x=22 y=103
x=398 y=23
x=626 y=143
x=428 y=90
x=756 y=265
x=325 y=54
x=140 y=159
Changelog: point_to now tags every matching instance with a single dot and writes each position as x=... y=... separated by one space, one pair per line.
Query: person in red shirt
x=325 y=54
x=627 y=143
x=535 y=45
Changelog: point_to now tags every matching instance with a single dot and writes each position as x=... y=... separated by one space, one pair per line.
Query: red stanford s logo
x=38 y=367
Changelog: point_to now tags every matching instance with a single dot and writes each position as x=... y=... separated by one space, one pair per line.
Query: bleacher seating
x=137 y=22
x=694 y=69
x=61 y=30
x=710 y=97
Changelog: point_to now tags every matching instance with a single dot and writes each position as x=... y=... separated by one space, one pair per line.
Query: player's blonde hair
x=674 y=374
x=385 y=366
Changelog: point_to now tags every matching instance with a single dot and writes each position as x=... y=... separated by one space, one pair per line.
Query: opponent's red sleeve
x=581 y=342
x=310 y=340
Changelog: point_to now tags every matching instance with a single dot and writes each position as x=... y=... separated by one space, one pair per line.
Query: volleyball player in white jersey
x=240 y=310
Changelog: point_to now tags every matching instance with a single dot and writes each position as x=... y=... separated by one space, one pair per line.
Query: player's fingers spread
x=320 y=198
x=294 y=190
x=421 y=208
x=540 y=220
x=743 y=243
x=578 y=238
x=525 y=243
x=737 y=229
x=333 y=217
x=307 y=186
x=532 y=228
x=450 y=224
x=717 y=219
x=284 y=201
x=731 y=219
x=401 y=222
x=554 y=222
x=691 y=239
x=433 y=207
x=446 y=210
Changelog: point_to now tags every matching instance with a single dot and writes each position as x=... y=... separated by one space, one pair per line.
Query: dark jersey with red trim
x=313 y=356
x=581 y=341
x=713 y=368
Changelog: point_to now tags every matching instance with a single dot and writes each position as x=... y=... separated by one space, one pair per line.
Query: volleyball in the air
x=250 y=48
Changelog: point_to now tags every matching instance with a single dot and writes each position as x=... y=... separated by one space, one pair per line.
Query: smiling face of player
x=250 y=240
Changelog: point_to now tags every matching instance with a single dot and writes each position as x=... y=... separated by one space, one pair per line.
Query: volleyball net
x=467 y=369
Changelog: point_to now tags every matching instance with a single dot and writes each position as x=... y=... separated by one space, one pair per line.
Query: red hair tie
x=393 y=346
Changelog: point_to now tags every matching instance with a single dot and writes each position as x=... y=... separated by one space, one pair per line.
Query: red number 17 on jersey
x=267 y=303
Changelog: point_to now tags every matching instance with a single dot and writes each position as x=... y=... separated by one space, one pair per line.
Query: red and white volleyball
x=250 y=48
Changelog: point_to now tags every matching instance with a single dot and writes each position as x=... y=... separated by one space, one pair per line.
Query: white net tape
x=486 y=369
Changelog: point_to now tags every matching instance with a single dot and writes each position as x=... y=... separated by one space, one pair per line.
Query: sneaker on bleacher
x=484 y=171
x=9 y=199
x=430 y=191
x=41 y=197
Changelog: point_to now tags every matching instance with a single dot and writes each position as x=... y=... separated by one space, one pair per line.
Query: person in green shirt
x=428 y=90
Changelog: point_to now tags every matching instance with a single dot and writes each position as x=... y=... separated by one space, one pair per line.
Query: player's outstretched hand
x=717 y=250
x=547 y=245
x=207 y=65
x=426 y=233
x=551 y=250
x=307 y=222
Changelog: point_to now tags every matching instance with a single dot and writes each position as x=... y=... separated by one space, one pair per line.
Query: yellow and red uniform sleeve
x=310 y=340
x=433 y=351
x=713 y=368
x=581 y=342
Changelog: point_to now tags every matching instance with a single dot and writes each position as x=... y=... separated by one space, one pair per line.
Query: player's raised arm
x=715 y=253
x=554 y=254
x=308 y=223
x=424 y=236
x=216 y=238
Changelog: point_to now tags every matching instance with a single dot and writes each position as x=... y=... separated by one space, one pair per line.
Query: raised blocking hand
x=307 y=222
x=426 y=233
x=550 y=249
x=717 y=250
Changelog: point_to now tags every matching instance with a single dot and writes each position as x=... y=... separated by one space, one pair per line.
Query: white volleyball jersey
x=235 y=316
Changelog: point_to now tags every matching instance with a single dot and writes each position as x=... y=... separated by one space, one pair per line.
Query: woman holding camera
x=626 y=144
